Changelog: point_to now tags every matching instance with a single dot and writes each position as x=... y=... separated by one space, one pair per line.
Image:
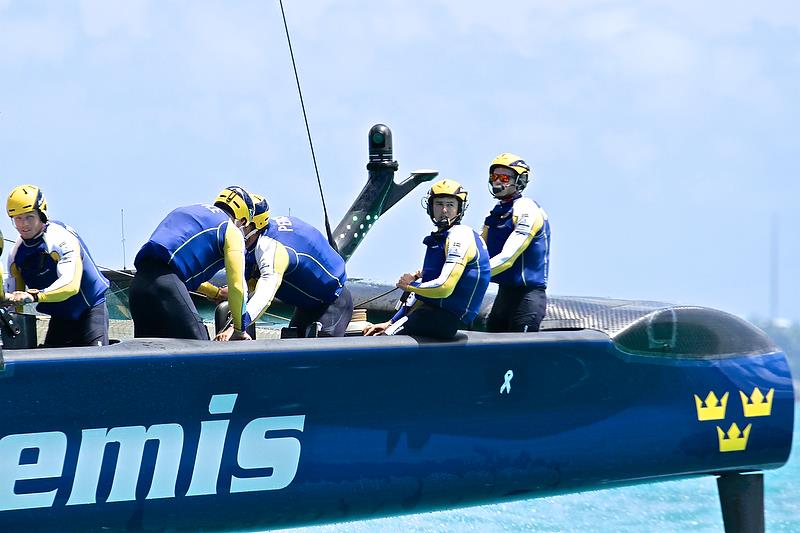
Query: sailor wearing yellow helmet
x=448 y=291
x=2 y=284
x=51 y=265
x=289 y=258
x=517 y=233
x=187 y=248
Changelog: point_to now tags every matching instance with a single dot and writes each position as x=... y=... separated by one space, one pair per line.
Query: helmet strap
x=251 y=234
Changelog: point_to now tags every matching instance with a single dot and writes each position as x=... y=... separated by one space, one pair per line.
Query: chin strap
x=248 y=235
x=447 y=223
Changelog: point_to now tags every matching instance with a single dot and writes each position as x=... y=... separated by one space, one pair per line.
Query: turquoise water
x=661 y=507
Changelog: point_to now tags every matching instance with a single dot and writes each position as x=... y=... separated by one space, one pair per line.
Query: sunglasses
x=503 y=178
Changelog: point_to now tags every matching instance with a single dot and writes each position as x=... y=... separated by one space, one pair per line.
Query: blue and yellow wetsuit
x=293 y=261
x=70 y=287
x=186 y=249
x=455 y=275
x=517 y=234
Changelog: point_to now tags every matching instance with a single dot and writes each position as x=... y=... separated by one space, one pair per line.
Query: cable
x=376 y=297
x=308 y=131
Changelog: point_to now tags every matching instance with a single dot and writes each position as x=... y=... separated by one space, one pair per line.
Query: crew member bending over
x=52 y=261
x=517 y=234
x=186 y=249
x=448 y=291
x=292 y=260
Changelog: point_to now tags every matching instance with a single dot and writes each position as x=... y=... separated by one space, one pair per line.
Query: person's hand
x=404 y=280
x=224 y=335
x=222 y=296
x=20 y=298
x=240 y=336
x=376 y=329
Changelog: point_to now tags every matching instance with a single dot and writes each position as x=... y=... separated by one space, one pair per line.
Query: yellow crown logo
x=714 y=409
x=758 y=404
x=736 y=440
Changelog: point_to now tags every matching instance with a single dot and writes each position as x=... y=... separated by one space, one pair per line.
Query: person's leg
x=59 y=333
x=303 y=317
x=337 y=315
x=92 y=328
x=506 y=301
x=161 y=307
x=431 y=322
x=222 y=317
x=529 y=313
x=143 y=301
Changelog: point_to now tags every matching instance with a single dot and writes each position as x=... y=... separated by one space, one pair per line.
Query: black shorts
x=161 y=305
x=91 y=329
x=433 y=322
x=517 y=309
x=334 y=316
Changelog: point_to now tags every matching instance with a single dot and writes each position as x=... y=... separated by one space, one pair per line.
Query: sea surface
x=688 y=505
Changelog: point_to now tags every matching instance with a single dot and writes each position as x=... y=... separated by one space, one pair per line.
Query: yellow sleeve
x=17 y=276
x=233 y=251
x=18 y=283
x=209 y=290
x=443 y=290
x=68 y=284
x=445 y=284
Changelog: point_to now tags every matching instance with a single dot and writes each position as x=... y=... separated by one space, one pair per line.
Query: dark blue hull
x=188 y=434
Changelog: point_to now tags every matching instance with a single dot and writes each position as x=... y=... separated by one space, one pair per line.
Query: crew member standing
x=51 y=265
x=448 y=291
x=186 y=249
x=517 y=233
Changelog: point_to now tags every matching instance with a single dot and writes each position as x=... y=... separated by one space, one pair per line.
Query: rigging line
x=308 y=130
x=376 y=297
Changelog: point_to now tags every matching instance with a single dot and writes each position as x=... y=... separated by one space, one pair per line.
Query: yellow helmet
x=25 y=199
x=515 y=163
x=237 y=201
x=446 y=188
x=260 y=211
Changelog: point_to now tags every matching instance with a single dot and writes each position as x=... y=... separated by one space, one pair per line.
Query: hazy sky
x=663 y=135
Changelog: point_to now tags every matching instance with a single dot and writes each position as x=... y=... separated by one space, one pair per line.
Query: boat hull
x=155 y=434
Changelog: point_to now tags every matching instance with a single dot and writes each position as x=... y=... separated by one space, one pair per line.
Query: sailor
x=2 y=277
x=517 y=233
x=186 y=249
x=448 y=291
x=290 y=259
x=50 y=264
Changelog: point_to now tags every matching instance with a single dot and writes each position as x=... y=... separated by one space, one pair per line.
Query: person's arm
x=528 y=220
x=233 y=252
x=210 y=291
x=380 y=328
x=14 y=282
x=69 y=265
x=460 y=249
x=272 y=260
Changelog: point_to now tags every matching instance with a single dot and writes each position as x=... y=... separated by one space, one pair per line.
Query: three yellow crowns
x=712 y=408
